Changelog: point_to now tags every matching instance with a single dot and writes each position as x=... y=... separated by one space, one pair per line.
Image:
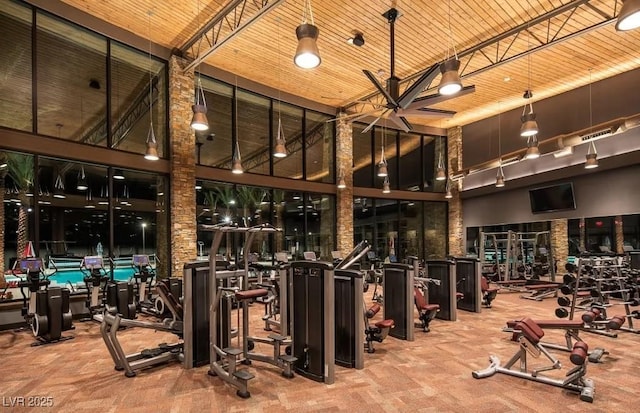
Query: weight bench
x=380 y=329
x=426 y=312
x=528 y=334
x=572 y=329
x=538 y=292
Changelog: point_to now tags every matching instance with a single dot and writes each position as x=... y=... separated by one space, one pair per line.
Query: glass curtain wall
x=398 y=229
x=253 y=132
x=64 y=210
x=291 y=121
x=71 y=67
x=319 y=147
x=15 y=65
x=307 y=220
x=215 y=145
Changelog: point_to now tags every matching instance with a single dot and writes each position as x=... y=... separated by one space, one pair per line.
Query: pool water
x=76 y=277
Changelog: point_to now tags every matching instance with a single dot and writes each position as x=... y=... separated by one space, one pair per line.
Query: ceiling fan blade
x=378 y=86
x=418 y=86
x=438 y=98
x=368 y=128
x=353 y=115
x=400 y=122
x=427 y=113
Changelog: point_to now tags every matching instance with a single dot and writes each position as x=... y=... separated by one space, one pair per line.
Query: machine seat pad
x=541 y=286
x=430 y=307
x=385 y=324
x=553 y=324
x=583 y=293
x=530 y=330
x=249 y=294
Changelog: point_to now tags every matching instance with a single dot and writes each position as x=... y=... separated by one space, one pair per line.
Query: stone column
x=560 y=241
x=344 y=198
x=3 y=173
x=183 y=166
x=619 y=235
x=454 y=161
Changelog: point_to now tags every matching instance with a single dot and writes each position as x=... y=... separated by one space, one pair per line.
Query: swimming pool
x=76 y=277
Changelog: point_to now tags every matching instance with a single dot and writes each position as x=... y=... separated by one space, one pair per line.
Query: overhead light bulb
x=450 y=81
x=629 y=16
x=307 y=54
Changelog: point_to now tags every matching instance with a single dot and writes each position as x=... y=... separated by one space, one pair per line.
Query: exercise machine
x=528 y=335
x=143 y=278
x=95 y=279
x=399 y=288
x=46 y=310
x=469 y=284
x=121 y=299
x=442 y=288
x=164 y=353
x=313 y=319
x=379 y=331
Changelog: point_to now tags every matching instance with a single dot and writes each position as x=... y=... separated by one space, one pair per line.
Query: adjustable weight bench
x=538 y=292
x=528 y=334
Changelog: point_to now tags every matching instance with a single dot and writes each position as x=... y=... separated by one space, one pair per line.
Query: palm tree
x=278 y=203
x=20 y=169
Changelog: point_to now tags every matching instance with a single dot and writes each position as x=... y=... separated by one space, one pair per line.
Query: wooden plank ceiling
x=264 y=51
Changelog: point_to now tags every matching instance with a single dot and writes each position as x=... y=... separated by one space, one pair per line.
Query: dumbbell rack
x=600 y=267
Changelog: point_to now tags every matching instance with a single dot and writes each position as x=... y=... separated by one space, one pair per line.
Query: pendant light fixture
x=591 y=161
x=533 y=152
x=118 y=174
x=450 y=78
x=528 y=118
x=91 y=203
x=382 y=165
x=441 y=173
x=386 y=187
x=151 y=153
x=236 y=161
x=307 y=54
x=629 y=16
x=58 y=188
x=500 y=174
x=199 y=120
x=82 y=180
x=280 y=149
x=448 y=194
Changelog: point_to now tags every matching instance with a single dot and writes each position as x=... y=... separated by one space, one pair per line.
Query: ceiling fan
x=398 y=106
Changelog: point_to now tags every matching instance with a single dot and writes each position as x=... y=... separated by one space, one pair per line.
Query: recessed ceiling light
x=506 y=78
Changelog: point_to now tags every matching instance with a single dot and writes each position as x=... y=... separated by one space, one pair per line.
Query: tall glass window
x=410 y=162
x=631 y=231
x=291 y=118
x=253 y=132
x=435 y=229
x=71 y=58
x=15 y=66
x=600 y=234
x=137 y=83
x=319 y=142
x=216 y=148
x=363 y=156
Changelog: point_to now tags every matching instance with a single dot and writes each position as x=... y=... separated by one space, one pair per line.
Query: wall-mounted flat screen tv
x=552 y=198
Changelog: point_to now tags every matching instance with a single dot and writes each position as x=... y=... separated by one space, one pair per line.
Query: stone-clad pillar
x=454 y=160
x=344 y=199
x=560 y=241
x=183 y=166
x=619 y=235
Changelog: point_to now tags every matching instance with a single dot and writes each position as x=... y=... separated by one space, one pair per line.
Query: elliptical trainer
x=46 y=309
x=95 y=280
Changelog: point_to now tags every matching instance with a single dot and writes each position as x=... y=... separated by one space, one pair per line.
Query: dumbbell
x=591 y=315
x=564 y=301
x=562 y=312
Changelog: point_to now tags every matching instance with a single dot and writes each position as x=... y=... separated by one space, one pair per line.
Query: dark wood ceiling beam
x=228 y=23
x=558 y=17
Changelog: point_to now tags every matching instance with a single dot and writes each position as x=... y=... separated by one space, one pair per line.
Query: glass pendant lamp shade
x=151 y=153
x=500 y=178
x=533 y=152
x=307 y=54
x=199 y=121
x=450 y=81
x=629 y=17
x=529 y=125
x=591 y=161
x=382 y=169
